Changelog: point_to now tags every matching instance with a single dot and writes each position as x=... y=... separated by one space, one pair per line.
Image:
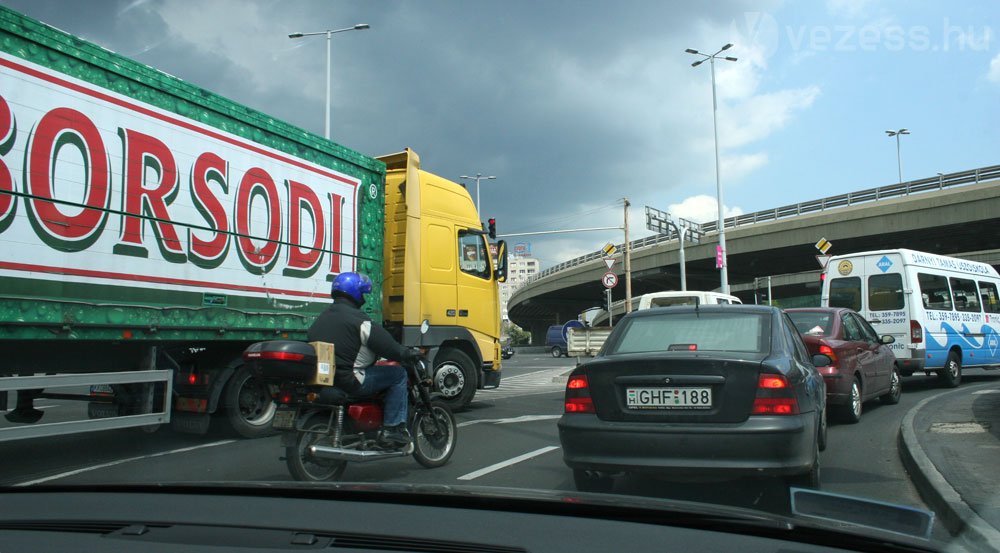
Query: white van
x=944 y=312
x=666 y=299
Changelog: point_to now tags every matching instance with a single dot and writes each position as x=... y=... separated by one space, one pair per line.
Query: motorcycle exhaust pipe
x=355 y=455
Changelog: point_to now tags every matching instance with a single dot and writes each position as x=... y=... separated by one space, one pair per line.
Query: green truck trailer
x=150 y=230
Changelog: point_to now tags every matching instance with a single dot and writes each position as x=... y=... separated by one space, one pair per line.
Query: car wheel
x=592 y=481
x=821 y=439
x=556 y=351
x=455 y=378
x=951 y=375
x=895 y=388
x=851 y=411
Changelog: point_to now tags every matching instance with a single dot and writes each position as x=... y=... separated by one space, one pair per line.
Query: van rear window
x=885 y=292
x=846 y=292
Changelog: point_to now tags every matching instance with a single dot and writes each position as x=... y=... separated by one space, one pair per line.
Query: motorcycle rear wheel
x=303 y=466
x=433 y=443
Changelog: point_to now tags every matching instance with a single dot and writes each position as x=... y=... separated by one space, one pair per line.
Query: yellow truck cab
x=438 y=268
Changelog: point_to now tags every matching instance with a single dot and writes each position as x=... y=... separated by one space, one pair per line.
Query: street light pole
x=724 y=270
x=477 y=178
x=329 y=35
x=899 y=158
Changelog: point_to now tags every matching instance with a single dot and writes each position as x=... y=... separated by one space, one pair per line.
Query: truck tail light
x=578 y=398
x=916 y=332
x=774 y=396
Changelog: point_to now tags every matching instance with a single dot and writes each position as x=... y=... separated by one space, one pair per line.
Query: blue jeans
x=392 y=379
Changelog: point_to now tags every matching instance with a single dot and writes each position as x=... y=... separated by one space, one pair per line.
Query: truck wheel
x=951 y=375
x=556 y=351
x=248 y=405
x=455 y=378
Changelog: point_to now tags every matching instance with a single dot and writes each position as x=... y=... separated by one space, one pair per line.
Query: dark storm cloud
x=561 y=100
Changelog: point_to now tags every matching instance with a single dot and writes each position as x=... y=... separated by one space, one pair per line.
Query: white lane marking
x=119 y=462
x=980 y=392
x=508 y=462
x=522 y=418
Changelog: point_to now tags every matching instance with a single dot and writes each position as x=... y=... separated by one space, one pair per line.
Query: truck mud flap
x=491 y=379
x=190 y=423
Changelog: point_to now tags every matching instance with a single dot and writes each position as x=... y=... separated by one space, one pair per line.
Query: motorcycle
x=323 y=428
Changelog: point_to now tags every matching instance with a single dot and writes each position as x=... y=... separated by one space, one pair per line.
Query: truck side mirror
x=501 y=261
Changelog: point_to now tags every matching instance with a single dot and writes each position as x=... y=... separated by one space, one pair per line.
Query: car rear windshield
x=816 y=323
x=687 y=331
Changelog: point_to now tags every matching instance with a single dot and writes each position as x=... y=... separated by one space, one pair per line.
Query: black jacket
x=357 y=342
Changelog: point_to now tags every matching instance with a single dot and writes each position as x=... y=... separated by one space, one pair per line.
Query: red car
x=863 y=366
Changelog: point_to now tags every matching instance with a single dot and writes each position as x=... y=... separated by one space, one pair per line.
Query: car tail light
x=916 y=332
x=775 y=396
x=828 y=351
x=285 y=397
x=578 y=398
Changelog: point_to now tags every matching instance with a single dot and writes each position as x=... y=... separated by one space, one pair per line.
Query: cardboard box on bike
x=310 y=363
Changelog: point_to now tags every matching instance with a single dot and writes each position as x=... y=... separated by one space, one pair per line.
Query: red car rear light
x=916 y=332
x=578 y=398
x=775 y=406
x=828 y=351
x=775 y=396
x=772 y=381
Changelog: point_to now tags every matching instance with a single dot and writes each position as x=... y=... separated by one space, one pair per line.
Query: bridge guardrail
x=939 y=182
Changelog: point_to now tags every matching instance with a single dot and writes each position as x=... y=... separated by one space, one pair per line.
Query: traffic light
x=492 y=229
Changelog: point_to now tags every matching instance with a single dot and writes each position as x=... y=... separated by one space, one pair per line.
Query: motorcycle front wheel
x=303 y=466
x=434 y=434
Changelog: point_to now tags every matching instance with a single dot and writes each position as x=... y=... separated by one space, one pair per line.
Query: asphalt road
x=507 y=438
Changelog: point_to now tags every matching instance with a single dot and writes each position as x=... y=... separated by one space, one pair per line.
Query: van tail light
x=578 y=398
x=916 y=332
x=775 y=396
x=828 y=351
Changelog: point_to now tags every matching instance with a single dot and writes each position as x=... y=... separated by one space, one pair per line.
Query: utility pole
x=628 y=263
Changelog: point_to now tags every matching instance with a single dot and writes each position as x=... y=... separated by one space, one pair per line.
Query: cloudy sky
x=574 y=104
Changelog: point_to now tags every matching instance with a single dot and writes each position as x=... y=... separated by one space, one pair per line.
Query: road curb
x=941 y=497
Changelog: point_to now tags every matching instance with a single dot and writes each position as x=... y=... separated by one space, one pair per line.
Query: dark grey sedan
x=719 y=390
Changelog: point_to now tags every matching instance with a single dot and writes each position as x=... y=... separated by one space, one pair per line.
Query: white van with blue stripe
x=944 y=312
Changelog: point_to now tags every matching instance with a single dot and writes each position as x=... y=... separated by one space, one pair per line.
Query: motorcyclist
x=358 y=343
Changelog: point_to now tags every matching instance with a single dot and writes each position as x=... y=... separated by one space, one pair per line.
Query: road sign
x=609 y=280
x=823 y=246
x=609 y=262
x=823 y=261
x=609 y=249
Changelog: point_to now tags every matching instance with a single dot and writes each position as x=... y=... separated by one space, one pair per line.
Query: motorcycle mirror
x=425 y=326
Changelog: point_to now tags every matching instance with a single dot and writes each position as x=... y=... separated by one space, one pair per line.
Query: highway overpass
x=956 y=214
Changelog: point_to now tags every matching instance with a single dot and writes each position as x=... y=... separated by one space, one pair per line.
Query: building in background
x=520 y=268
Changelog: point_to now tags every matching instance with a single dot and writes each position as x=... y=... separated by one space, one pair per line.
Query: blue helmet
x=353 y=285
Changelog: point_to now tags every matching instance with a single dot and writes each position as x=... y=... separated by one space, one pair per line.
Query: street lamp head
x=362 y=26
x=295 y=35
x=491 y=177
x=726 y=47
x=466 y=177
x=904 y=131
x=890 y=133
x=730 y=58
x=697 y=63
x=691 y=51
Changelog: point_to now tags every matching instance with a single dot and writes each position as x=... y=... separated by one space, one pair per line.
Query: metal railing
x=869 y=195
